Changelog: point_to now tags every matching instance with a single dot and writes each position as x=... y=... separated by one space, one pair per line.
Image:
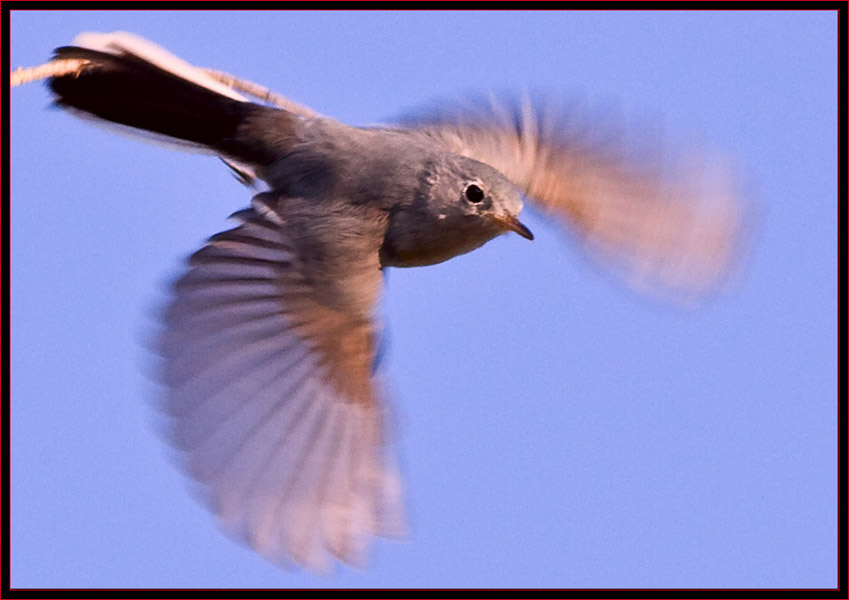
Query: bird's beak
x=513 y=224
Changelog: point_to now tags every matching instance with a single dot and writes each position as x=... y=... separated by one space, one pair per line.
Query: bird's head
x=473 y=191
x=460 y=205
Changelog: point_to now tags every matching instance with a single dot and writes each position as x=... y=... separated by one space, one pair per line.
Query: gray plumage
x=270 y=340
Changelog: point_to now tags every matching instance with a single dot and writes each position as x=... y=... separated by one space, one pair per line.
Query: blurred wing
x=268 y=369
x=671 y=233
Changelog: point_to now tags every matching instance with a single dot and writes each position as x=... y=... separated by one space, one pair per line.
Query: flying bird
x=270 y=341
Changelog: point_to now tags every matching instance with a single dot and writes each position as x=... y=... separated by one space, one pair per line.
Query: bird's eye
x=474 y=194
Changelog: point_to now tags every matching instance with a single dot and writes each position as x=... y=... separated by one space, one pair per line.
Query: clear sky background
x=555 y=429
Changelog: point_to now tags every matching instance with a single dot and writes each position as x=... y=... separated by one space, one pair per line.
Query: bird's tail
x=130 y=82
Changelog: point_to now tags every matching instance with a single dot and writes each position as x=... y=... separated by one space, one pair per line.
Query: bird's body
x=270 y=340
x=332 y=162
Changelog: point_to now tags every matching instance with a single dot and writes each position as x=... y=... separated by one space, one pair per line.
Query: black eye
x=474 y=194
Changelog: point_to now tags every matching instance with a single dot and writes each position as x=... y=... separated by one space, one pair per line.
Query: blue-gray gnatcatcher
x=270 y=338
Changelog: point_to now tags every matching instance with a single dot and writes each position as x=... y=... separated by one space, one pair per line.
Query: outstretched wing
x=267 y=353
x=671 y=230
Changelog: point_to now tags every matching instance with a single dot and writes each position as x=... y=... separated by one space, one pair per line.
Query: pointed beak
x=513 y=224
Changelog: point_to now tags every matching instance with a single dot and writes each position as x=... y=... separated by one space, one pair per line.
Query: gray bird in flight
x=270 y=339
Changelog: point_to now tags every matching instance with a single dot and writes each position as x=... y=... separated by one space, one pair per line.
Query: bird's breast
x=415 y=244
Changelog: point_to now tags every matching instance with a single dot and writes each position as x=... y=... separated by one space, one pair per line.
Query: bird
x=273 y=389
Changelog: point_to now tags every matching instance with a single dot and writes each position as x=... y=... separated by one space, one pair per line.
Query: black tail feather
x=131 y=91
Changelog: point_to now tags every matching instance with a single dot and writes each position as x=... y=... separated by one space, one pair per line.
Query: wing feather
x=267 y=362
x=673 y=229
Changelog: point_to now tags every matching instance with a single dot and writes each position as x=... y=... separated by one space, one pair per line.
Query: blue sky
x=554 y=428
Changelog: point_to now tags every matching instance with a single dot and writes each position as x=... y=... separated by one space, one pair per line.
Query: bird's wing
x=671 y=232
x=267 y=352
